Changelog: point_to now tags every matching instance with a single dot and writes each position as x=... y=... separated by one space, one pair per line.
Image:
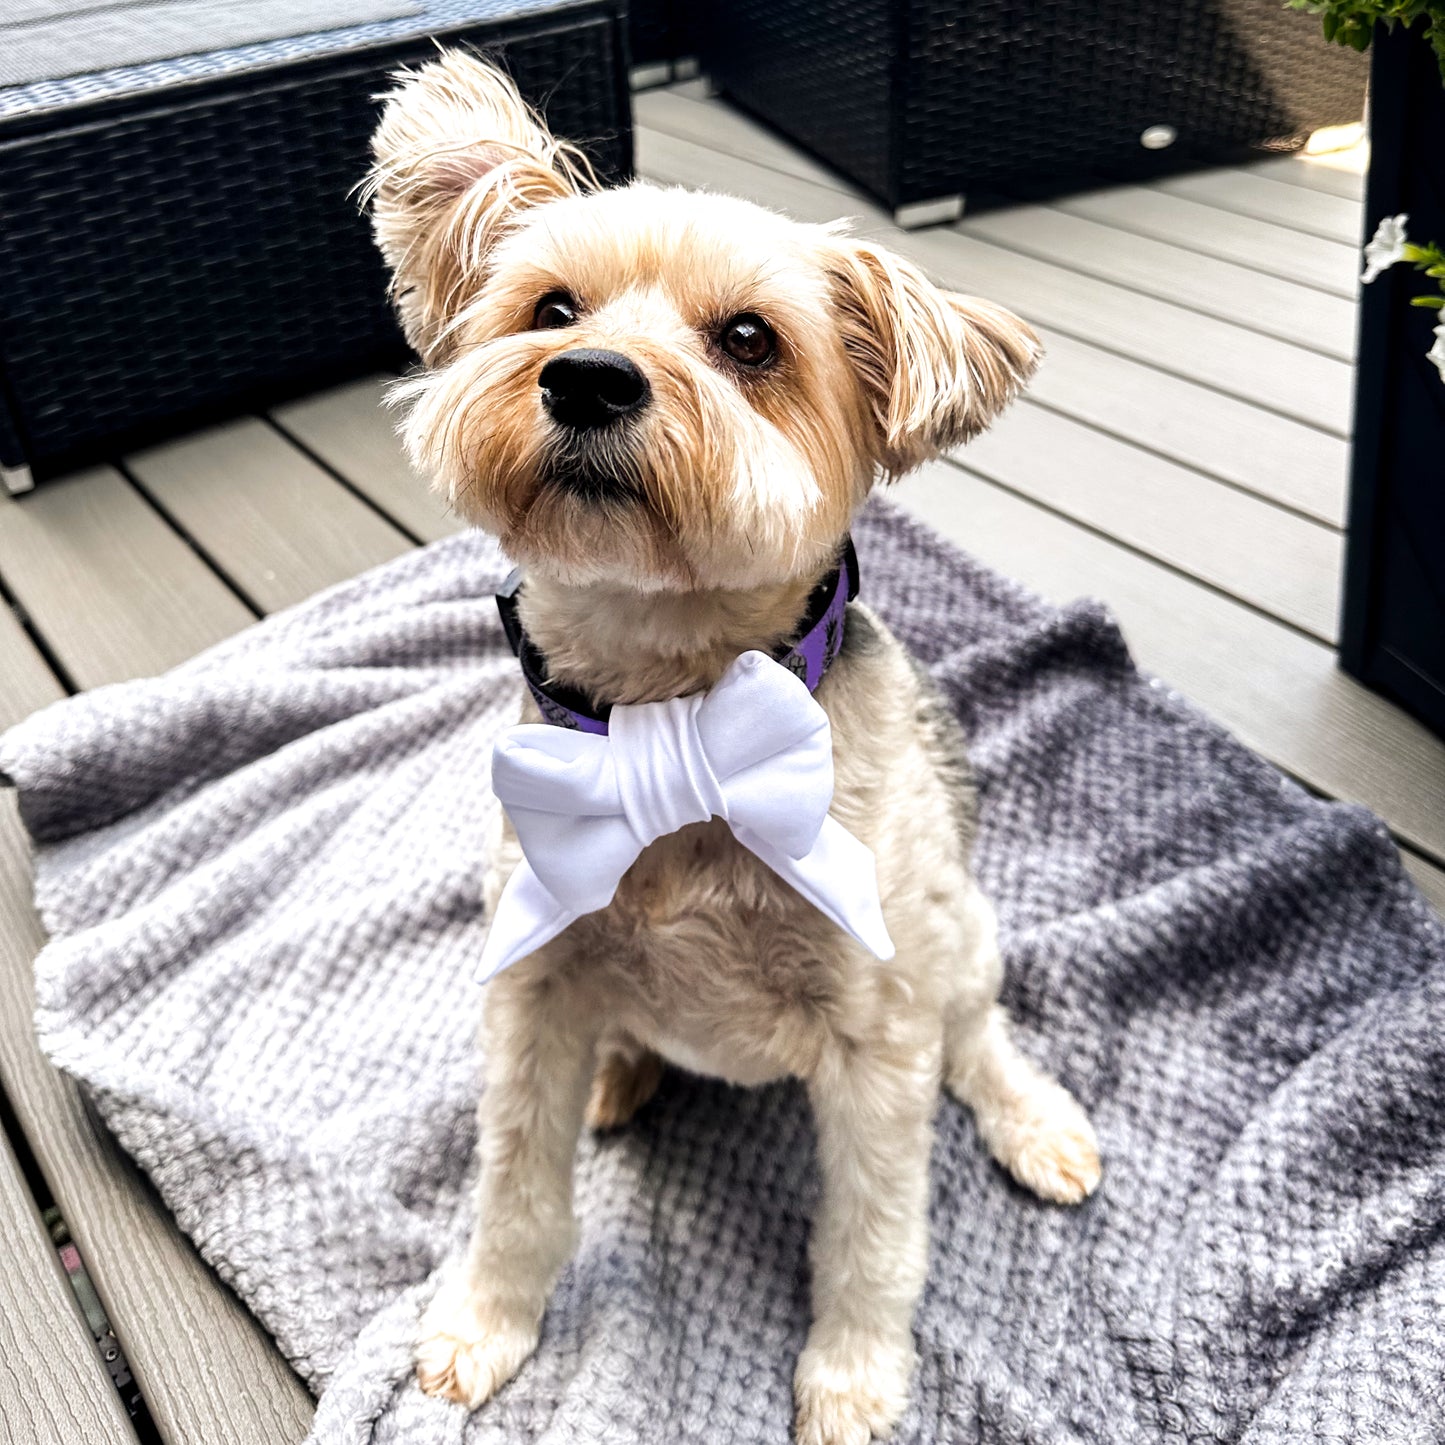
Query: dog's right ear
x=458 y=156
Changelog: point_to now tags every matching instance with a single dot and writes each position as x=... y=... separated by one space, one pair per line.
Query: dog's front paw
x=849 y=1395
x=469 y=1350
x=1048 y=1144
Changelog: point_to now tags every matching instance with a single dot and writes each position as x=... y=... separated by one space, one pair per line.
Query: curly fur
x=725 y=499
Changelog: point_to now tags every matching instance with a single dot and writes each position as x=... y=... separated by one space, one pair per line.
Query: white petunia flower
x=1437 y=352
x=1385 y=247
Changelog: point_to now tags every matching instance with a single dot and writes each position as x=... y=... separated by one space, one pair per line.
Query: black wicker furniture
x=662 y=35
x=920 y=103
x=180 y=239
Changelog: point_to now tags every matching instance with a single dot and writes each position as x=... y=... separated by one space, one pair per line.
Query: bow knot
x=755 y=751
x=664 y=779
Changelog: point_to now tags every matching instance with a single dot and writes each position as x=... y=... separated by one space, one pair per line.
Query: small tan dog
x=673 y=504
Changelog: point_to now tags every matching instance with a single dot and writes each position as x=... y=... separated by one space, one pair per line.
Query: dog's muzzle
x=584 y=389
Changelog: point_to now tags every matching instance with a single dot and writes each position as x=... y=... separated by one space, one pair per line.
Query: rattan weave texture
x=194 y=250
x=915 y=100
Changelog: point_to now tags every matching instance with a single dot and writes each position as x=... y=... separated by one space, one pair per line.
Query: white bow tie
x=756 y=751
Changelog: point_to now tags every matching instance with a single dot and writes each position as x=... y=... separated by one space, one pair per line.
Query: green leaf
x=1433 y=303
x=1352 y=22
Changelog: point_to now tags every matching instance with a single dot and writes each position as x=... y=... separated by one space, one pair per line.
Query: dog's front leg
x=869 y=1249
x=486 y=1318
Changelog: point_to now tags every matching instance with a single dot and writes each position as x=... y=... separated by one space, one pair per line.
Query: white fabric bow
x=756 y=751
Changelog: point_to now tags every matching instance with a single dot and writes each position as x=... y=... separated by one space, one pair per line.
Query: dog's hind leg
x=627 y=1077
x=1031 y=1124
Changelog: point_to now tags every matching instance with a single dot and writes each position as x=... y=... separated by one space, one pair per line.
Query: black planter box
x=1393 y=634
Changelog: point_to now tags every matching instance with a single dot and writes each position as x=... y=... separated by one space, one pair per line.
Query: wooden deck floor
x=1182 y=455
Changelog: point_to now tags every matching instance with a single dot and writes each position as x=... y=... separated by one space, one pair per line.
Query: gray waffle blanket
x=262 y=874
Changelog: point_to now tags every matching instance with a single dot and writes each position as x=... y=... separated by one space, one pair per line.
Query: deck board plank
x=1334 y=173
x=1429 y=879
x=1301 y=208
x=1258 y=369
x=722 y=128
x=29 y=682
x=53 y=1386
x=113 y=590
x=672 y=160
x=207 y=1369
x=1269 y=558
x=1222 y=289
x=1277 y=690
x=1309 y=260
x=351 y=431
x=269 y=518
x=1295 y=466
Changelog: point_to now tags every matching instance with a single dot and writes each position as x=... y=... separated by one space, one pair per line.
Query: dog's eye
x=555 y=309
x=748 y=339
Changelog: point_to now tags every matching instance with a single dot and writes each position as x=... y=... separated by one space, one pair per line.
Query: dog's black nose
x=584 y=388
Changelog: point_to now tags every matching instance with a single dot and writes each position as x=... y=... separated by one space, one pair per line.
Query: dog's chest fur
x=708 y=957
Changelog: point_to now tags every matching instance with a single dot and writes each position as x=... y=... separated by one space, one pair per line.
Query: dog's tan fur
x=735 y=491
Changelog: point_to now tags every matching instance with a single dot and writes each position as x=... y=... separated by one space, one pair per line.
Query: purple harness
x=820 y=641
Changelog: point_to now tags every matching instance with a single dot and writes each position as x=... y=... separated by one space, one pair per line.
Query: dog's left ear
x=458 y=157
x=936 y=367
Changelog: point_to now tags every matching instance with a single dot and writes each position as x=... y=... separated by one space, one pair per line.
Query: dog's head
x=655 y=386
